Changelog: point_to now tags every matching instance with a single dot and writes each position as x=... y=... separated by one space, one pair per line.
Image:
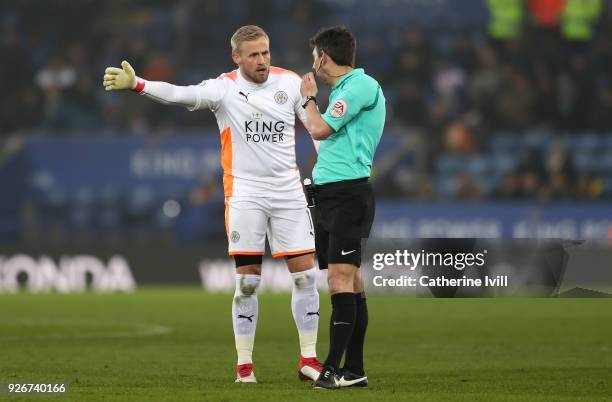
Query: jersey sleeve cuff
x=331 y=122
x=140 y=84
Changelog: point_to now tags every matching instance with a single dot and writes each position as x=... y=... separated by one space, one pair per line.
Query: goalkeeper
x=255 y=107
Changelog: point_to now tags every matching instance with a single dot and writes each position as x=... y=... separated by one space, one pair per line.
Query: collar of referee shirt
x=345 y=77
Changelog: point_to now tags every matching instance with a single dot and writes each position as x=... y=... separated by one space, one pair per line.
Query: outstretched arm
x=119 y=78
x=192 y=97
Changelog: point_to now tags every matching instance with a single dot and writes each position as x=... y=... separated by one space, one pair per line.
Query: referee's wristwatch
x=308 y=99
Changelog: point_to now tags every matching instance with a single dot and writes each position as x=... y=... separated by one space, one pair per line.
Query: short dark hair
x=338 y=42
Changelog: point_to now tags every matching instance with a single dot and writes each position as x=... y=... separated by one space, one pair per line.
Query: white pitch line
x=132 y=330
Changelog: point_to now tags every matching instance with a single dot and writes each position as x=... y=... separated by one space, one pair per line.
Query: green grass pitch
x=177 y=345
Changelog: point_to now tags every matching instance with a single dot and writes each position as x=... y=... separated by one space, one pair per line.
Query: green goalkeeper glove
x=120 y=78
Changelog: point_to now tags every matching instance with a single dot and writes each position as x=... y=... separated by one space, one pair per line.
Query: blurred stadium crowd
x=498 y=99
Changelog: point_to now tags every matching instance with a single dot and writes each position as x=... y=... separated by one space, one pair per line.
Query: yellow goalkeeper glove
x=120 y=78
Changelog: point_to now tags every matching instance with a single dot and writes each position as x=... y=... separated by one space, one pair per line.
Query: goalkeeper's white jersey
x=257 y=126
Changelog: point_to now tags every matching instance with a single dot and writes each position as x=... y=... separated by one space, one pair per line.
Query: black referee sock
x=354 y=350
x=341 y=327
x=331 y=329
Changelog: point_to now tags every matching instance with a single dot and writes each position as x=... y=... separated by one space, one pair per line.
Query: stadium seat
x=536 y=139
x=585 y=162
x=504 y=162
x=478 y=165
x=445 y=185
x=586 y=142
x=504 y=142
x=447 y=164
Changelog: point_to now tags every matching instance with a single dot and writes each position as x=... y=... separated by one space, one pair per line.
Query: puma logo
x=250 y=317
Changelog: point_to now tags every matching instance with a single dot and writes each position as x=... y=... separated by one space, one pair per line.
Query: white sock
x=305 y=307
x=244 y=315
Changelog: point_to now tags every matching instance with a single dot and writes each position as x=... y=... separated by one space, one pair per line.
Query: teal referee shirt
x=356 y=113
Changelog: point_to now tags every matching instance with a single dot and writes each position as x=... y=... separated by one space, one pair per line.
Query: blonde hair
x=245 y=34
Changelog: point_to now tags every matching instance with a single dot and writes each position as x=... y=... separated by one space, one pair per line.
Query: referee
x=349 y=132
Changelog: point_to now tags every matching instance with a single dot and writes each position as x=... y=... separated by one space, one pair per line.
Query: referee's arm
x=316 y=126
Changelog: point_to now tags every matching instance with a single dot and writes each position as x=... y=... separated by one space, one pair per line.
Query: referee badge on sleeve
x=339 y=109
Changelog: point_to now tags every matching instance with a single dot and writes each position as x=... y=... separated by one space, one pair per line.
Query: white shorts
x=286 y=223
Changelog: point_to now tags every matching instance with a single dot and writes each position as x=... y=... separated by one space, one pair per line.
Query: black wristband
x=308 y=99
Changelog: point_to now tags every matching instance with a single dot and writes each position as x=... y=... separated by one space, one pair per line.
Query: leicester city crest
x=280 y=97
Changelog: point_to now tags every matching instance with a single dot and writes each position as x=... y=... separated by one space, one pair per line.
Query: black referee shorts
x=343 y=218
